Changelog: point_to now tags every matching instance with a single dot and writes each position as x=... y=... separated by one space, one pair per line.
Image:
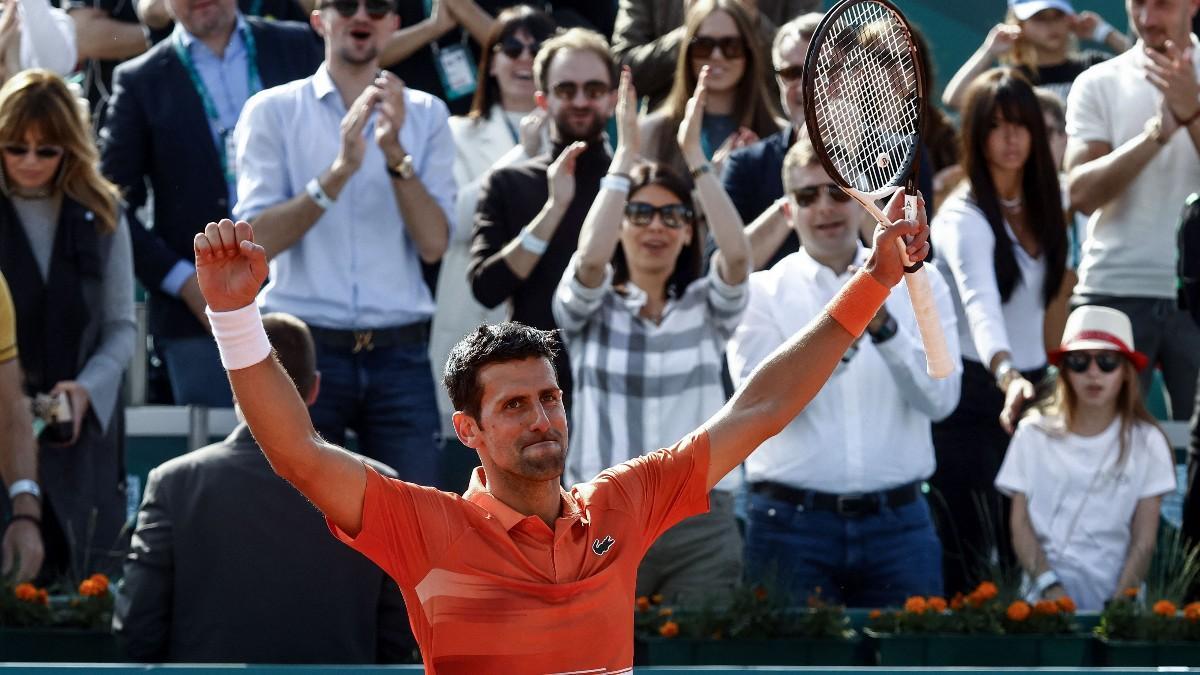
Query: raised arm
x=999 y=40
x=793 y=374
x=231 y=268
x=733 y=248
x=408 y=40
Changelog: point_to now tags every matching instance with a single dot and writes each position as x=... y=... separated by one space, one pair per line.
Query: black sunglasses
x=1080 y=361
x=808 y=194
x=733 y=47
x=673 y=216
x=790 y=73
x=376 y=9
x=41 y=151
x=513 y=48
x=592 y=90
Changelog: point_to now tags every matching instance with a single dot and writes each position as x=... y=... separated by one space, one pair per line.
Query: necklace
x=1011 y=205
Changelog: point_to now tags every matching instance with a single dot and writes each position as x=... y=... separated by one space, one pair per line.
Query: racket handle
x=937 y=357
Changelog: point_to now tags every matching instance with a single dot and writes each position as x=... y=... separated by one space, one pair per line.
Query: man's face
x=204 y=18
x=522 y=425
x=358 y=38
x=580 y=98
x=1156 y=21
x=826 y=219
x=789 y=72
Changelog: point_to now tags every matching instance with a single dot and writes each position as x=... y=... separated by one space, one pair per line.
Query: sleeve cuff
x=577 y=289
x=173 y=282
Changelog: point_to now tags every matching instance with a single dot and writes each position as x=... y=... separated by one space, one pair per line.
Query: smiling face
x=653 y=248
x=580 y=97
x=724 y=71
x=355 y=40
x=1007 y=145
x=514 y=75
x=828 y=228
x=32 y=163
x=521 y=432
x=204 y=18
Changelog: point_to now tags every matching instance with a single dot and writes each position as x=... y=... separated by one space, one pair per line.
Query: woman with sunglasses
x=503 y=126
x=646 y=331
x=719 y=35
x=65 y=250
x=1087 y=469
x=1001 y=243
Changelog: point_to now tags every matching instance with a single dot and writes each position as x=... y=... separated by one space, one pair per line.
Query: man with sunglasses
x=529 y=215
x=830 y=476
x=348 y=178
x=170 y=124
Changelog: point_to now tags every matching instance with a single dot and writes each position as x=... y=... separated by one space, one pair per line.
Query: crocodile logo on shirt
x=601 y=546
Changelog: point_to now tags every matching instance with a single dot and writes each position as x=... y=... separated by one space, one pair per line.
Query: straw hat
x=1095 y=327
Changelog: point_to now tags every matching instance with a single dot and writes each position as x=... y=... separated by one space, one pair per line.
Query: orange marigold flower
x=937 y=604
x=1130 y=592
x=875 y=614
x=1192 y=611
x=101 y=582
x=642 y=603
x=669 y=629
x=760 y=593
x=915 y=605
x=1066 y=605
x=665 y=611
x=89 y=588
x=1045 y=607
x=986 y=591
x=1165 y=608
x=1018 y=611
x=43 y=597
x=27 y=592
x=656 y=599
x=957 y=602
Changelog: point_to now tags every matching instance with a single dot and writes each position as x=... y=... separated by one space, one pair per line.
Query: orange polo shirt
x=492 y=591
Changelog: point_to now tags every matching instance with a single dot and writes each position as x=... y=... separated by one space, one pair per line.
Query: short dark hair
x=509 y=22
x=572 y=39
x=488 y=344
x=295 y=349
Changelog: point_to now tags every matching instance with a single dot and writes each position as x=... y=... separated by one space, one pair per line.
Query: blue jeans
x=876 y=560
x=194 y=367
x=386 y=396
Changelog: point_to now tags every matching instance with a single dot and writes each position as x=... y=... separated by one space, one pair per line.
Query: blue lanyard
x=253 y=81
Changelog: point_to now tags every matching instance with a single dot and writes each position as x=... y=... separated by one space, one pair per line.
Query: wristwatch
x=886 y=332
x=403 y=169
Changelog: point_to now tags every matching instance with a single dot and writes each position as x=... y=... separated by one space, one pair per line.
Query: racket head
x=864 y=97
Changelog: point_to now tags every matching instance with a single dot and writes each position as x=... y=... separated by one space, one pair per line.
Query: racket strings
x=866 y=98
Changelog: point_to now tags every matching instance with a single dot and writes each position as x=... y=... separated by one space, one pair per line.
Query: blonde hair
x=576 y=39
x=801 y=154
x=39 y=99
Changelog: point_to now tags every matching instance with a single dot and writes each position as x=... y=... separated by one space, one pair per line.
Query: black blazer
x=229 y=563
x=156 y=130
x=753 y=177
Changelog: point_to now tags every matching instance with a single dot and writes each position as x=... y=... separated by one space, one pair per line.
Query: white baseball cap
x=1094 y=327
x=1023 y=9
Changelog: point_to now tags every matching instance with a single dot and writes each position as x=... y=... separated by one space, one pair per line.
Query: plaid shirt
x=641 y=386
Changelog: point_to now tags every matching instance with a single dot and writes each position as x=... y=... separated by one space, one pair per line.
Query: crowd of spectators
x=414 y=169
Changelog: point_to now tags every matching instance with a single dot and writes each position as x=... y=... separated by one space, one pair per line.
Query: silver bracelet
x=530 y=242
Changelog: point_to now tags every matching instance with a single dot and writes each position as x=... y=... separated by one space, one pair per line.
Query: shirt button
x=770 y=512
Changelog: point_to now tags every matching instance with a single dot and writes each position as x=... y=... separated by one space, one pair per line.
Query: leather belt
x=365 y=340
x=850 y=505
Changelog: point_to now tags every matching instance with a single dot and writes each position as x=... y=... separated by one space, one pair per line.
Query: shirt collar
x=812 y=269
x=187 y=39
x=322 y=82
x=478 y=494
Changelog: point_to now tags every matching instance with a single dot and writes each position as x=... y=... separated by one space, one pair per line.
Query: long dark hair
x=1007 y=91
x=688 y=264
x=511 y=21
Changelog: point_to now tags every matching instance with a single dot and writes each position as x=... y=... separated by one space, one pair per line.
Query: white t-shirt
x=964 y=246
x=1080 y=505
x=1130 y=249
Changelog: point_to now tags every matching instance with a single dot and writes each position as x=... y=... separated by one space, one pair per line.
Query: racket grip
x=937 y=356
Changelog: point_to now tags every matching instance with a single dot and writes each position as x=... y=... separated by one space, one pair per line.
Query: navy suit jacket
x=156 y=130
x=753 y=177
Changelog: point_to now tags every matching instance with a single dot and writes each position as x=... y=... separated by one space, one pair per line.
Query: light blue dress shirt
x=356 y=268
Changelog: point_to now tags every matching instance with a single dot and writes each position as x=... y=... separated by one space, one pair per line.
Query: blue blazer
x=156 y=130
x=753 y=177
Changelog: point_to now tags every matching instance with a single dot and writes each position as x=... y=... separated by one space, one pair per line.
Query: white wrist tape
x=530 y=242
x=615 y=183
x=1100 y=33
x=240 y=336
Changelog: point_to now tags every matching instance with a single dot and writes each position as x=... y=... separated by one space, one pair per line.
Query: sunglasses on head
x=1080 y=361
x=790 y=73
x=513 y=48
x=376 y=9
x=41 y=151
x=808 y=194
x=592 y=90
x=673 y=216
x=732 y=47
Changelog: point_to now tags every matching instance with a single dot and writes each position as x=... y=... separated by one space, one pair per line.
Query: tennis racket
x=864 y=104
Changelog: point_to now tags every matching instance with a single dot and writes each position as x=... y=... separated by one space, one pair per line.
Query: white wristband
x=240 y=336
x=24 y=486
x=314 y=190
x=615 y=183
x=1100 y=33
x=530 y=242
x=1045 y=580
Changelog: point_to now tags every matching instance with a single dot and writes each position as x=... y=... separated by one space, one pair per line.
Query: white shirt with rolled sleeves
x=869 y=427
x=1080 y=505
x=1130 y=249
x=357 y=266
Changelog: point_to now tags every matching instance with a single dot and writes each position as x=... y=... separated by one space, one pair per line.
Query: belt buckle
x=851 y=505
x=363 y=340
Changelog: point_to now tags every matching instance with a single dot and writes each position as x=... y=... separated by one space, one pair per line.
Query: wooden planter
x=982 y=650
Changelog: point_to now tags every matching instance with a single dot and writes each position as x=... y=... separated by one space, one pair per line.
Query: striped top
x=639 y=385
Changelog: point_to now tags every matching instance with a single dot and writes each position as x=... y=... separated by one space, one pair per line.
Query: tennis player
x=517 y=574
